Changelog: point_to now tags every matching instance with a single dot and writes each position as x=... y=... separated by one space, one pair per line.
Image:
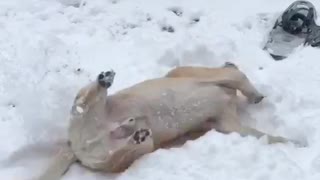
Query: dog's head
x=116 y=146
x=129 y=140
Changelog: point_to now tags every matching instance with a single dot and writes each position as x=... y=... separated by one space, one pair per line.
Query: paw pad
x=141 y=135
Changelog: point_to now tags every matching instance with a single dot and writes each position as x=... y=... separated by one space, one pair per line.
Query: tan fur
x=203 y=72
x=227 y=71
x=61 y=164
x=189 y=100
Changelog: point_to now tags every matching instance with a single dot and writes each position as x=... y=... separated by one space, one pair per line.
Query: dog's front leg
x=94 y=93
x=90 y=96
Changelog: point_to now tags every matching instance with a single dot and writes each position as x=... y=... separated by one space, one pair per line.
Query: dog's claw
x=256 y=99
x=230 y=65
x=105 y=79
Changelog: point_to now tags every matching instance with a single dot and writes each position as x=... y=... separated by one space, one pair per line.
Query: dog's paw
x=141 y=135
x=105 y=79
x=258 y=99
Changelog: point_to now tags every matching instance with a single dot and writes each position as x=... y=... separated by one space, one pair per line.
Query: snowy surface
x=50 y=48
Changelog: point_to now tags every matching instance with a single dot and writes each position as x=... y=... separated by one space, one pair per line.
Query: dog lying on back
x=109 y=132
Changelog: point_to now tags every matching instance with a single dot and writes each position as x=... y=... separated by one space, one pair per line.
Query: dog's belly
x=176 y=112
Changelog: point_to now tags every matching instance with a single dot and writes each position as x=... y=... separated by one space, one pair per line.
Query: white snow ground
x=50 y=48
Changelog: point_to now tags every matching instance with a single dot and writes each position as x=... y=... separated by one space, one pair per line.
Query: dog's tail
x=62 y=161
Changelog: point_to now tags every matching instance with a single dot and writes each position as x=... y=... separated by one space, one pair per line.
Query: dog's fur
x=109 y=132
x=228 y=71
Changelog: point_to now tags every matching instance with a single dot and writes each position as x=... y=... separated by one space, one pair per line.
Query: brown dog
x=109 y=132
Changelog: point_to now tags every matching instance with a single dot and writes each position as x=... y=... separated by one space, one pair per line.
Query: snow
x=50 y=48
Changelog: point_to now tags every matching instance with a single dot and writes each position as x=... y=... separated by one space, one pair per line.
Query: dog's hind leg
x=237 y=80
x=228 y=76
x=228 y=123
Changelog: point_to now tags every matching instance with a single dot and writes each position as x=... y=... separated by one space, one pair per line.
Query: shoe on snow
x=291 y=29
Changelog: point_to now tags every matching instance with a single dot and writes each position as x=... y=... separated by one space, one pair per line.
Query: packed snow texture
x=51 y=48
